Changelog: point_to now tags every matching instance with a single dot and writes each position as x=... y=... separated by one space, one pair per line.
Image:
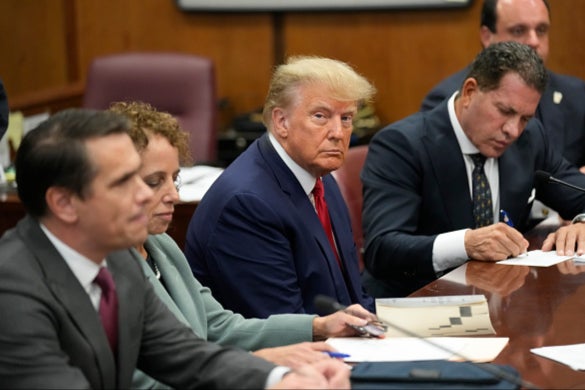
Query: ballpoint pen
x=504 y=217
x=337 y=355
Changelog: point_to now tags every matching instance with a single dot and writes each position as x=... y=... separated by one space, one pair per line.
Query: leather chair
x=180 y=84
x=350 y=184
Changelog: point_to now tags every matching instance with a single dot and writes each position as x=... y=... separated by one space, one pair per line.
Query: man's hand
x=494 y=243
x=565 y=239
x=336 y=324
x=325 y=374
x=295 y=355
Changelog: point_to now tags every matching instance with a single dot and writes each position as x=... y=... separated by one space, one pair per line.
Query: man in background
x=273 y=231
x=77 y=310
x=561 y=109
x=435 y=182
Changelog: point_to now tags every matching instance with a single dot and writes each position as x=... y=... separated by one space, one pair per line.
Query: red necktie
x=323 y=213
x=108 y=306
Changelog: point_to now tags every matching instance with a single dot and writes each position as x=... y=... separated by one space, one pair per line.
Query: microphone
x=328 y=305
x=545 y=177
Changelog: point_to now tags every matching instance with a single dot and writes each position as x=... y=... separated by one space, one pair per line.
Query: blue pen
x=506 y=218
x=337 y=355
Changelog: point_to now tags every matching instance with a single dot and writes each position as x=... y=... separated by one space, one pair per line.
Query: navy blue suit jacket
x=416 y=187
x=561 y=110
x=256 y=241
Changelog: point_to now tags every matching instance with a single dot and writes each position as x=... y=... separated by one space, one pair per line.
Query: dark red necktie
x=323 y=213
x=108 y=306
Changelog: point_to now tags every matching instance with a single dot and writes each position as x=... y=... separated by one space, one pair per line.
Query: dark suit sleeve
x=443 y=90
x=393 y=180
x=4 y=111
x=249 y=247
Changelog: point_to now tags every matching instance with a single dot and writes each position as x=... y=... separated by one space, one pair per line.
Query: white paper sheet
x=572 y=355
x=536 y=258
x=392 y=349
x=196 y=180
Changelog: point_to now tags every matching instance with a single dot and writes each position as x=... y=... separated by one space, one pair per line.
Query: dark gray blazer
x=416 y=187
x=51 y=335
x=561 y=110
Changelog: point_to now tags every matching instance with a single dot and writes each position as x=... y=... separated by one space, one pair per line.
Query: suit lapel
x=445 y=156
x=69 y=292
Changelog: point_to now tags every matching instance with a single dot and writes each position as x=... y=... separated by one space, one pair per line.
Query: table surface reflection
x=533 y=306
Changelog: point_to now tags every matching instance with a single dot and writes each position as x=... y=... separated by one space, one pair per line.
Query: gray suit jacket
x=51 y=335
x=416 y=187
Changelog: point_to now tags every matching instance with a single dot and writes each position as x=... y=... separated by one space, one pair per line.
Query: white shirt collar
x=464 y=143
x=83 y=268
x=306 y=180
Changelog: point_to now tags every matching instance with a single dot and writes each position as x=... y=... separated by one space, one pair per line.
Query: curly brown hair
x=147 y=121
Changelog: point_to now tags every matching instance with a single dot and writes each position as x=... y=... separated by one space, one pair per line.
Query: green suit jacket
x=193 y=304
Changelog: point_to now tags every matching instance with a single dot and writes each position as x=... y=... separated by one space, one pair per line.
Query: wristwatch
x=579 y=218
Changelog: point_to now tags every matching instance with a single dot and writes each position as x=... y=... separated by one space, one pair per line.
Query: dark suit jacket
x=3 y=110
x=561 y=110
x=51 y=335
x=256 y=241
x=416 y=187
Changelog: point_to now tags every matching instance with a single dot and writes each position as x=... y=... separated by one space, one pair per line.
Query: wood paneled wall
x=48 y=44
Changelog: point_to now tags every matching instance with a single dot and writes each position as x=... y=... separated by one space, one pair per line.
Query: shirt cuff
x=449 y=250
x=276 y=376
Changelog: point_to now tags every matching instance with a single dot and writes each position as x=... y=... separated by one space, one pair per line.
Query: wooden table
x=533 y=306
x=11 y=211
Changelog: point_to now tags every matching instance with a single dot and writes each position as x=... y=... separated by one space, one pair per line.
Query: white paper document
x=393 y=349
x=572 y=355
x=536 y=258
x=456 y=315
x=196 y=180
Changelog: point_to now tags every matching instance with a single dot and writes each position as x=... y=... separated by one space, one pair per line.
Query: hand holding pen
x=495 y=242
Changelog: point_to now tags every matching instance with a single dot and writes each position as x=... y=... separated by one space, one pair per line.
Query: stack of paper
x=457 y=315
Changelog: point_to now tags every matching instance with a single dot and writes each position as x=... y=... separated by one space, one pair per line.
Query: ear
x=61 y=203
x=468 y=89
x=280 y=123
x=485 y=36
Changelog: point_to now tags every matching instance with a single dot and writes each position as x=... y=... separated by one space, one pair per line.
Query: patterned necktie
x=108 y=309
x=323 y=213
x=483 y=212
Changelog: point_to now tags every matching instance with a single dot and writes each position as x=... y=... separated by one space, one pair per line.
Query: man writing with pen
x=438 y=183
